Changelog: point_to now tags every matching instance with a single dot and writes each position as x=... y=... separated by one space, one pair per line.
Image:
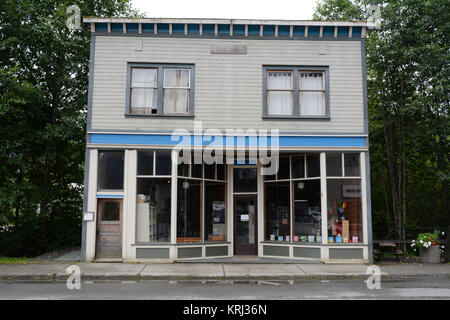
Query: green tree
x=337 y=10
x=408 y=95
x=43 y=85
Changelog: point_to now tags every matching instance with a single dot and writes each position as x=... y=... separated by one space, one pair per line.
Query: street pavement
x=187 y=292
x=59 y=272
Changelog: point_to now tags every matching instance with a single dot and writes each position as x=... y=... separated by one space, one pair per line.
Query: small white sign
x=244 y=217
x=88 y=216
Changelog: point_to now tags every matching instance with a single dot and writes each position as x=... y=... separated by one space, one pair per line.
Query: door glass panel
x=110 y=211
x=245 y=220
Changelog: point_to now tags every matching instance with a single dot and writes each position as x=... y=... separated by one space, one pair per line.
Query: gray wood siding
x=228 y=87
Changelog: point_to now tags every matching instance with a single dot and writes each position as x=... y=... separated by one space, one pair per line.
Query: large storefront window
x=201 y=202
x=153 y=196
x=277 y=205
x=307 y=211
x=189 y=210
x=301 y=172
x=344 y=208
x=215 y=226
x=153 y=210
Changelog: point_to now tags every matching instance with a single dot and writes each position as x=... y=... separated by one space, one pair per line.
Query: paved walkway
x=216 y=271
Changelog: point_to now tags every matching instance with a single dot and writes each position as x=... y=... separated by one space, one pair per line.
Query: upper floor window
x=296 y=92
x=312 y=93
x=144 y=91
x=160 y=90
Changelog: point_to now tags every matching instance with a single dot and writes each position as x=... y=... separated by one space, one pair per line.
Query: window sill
x=294 y=118
x=127 y=115
x=292 y=243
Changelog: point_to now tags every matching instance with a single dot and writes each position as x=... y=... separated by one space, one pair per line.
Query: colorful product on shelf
x=310 y=238
x=330 y=239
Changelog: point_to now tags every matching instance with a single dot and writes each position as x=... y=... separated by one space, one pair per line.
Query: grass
x=10 y=260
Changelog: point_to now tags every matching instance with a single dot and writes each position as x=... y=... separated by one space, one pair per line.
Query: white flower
x=442 y=233
x=413 y=241
x=429 y=243
x=421 y=241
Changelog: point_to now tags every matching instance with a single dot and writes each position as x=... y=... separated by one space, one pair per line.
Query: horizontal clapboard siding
x=228 y=88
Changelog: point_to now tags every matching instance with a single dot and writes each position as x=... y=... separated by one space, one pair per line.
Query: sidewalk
x=215 y=271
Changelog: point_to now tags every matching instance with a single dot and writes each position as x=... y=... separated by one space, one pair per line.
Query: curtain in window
x=143 y=98
x=279 y=96
x=176 y=91
x=144 y=90
x=311 y=102
x=144 y=77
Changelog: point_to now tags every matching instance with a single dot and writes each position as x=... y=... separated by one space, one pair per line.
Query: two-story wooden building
x=297 y=88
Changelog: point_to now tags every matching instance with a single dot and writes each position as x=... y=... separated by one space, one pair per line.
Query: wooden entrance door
x=245 y=225
x=109 y=228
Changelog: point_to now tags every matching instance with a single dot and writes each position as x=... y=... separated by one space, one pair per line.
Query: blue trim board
x=237 y=141
x=110 y=196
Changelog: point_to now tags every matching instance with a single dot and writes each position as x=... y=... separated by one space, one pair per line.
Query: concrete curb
x=137 y=278
x=56 y=273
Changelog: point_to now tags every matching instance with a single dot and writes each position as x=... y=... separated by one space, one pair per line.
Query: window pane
x=144 y=77
x=176 y=78
x=313 y=165
x=334 y=164
x=153 y=202
x=279 y=80
x=307 y=226
x=279 y=103
x=344 y=210
x=110 y=211
x=183 y=170
x=215 y=226
x=210 y=171
x=163 y=163
x=311 y=81
x=220 y=171
x=298 y=167
x=277 y=210
x=144 y=98
x=244 y=180
x=197 y=170
x=351 y=163
x=110 y=170
x=145 y=163
x=188 y=210
x=176 y=101
x=245 y=219
x=283 y=170
x=312 y=103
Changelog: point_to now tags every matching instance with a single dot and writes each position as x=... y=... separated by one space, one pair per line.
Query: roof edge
x=369 y=24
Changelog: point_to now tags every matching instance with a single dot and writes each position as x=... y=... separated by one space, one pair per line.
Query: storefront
x=146 y=206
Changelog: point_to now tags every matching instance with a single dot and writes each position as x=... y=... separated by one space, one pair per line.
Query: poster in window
x=351 y=191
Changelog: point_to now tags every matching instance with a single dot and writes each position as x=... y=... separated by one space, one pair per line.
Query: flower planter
x=430 y=255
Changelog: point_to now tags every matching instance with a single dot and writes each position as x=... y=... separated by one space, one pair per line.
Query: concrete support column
x=173 y=205
x=92 y=205
x=323 y=189
x=365 y=194
x=129 y=205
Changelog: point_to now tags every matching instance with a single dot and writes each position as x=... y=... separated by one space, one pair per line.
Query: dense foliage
x=43 y=98
x=408 y=60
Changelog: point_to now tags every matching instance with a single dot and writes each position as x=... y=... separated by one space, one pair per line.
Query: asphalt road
x=319 y=289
